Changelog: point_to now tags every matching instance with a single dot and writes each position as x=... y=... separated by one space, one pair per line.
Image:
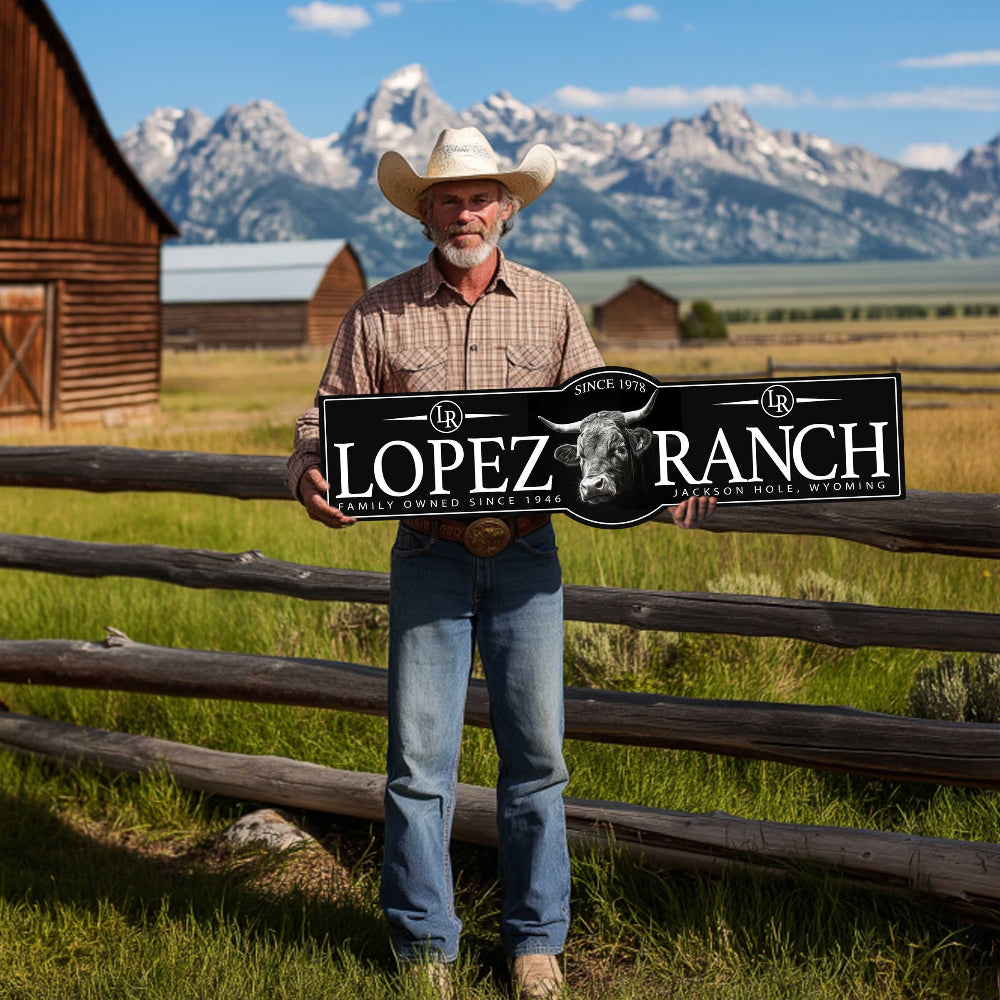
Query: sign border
x=894 y=377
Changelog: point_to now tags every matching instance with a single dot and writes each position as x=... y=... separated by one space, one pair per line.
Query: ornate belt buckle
x=487 y=536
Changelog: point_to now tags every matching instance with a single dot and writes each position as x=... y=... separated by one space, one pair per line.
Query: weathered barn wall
x=342 y=285
x=76 y=220
x=106 y=336
x=188 y=325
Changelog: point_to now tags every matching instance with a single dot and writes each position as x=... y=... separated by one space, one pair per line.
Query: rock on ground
x=266 y=828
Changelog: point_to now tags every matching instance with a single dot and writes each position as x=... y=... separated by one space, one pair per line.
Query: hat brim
x=403 y=186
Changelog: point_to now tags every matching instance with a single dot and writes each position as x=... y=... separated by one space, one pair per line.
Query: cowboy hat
x=463 y=154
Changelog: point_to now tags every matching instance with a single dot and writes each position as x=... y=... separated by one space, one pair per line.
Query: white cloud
x=930 y=156
x=676 y=97
x=927 y=98
x=582 y=97
x=950 y=60
x=388 y=9
x=637 y=12
x=335 y=18
x=560 y=5
x=985 y=99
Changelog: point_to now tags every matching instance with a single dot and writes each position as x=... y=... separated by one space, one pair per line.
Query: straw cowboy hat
x=463 y=154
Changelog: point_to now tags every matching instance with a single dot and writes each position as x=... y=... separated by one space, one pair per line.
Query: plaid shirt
x=415 y=333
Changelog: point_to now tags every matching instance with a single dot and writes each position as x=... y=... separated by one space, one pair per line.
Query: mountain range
x=717 y=187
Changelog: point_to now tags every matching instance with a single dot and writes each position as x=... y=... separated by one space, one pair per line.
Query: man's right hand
x=313 y=488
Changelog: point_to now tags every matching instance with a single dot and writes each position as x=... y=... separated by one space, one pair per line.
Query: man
x=468 y=318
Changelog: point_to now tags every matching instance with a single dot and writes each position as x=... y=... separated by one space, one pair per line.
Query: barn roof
x=246 y=272
x=632 y=283
x=40 y=13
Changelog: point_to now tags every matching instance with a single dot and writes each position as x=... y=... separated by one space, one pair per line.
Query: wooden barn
x=258 y=294
x=640 y=312
x=79 y=243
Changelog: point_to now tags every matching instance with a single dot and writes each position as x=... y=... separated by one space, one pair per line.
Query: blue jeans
x=443 y=600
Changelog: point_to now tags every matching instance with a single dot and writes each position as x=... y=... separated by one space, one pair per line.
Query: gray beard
x=465 y=258
x=471 y=257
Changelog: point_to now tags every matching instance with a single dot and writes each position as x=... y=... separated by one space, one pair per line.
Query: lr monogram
x=777 y=400
x=446 y=416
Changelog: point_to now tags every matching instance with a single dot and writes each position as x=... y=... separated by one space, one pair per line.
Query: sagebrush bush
x=746 y=583
x=810 y=585
x=957 y=690
x=816 y=585
x=616 y=656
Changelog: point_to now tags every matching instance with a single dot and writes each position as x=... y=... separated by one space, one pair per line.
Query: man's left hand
x=691 y=513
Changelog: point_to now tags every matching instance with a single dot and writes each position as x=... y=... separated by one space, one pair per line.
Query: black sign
x=613 y=446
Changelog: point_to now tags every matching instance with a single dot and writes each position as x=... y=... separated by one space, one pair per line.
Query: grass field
x=115 y=888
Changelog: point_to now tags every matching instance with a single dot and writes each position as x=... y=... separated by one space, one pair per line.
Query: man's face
x=465 y=220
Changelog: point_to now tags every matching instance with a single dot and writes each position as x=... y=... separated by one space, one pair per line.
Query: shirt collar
x=431 y=278
x=504 y=275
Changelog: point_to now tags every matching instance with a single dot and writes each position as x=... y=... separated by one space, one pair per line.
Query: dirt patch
x=313 y=869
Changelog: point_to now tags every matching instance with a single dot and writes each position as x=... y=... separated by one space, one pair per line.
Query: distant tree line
x=903 y=311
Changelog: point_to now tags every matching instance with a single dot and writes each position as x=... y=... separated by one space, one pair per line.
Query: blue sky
x=908 y=79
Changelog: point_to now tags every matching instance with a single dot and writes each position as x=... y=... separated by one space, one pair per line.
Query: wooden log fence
x=832 y=623
x=825 y=737
x=775 y=369
x=963 y=524
x=712 y=376
x=960 y=875
x=964 y=877
x=961 y=390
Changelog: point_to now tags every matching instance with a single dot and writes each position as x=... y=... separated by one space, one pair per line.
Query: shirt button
x=473 y=347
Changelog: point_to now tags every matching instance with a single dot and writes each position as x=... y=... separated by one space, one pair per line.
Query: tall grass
x=114 y=888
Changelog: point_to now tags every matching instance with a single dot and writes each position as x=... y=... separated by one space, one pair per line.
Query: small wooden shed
x=79 y=243
x=640 y=312
x=258 y=294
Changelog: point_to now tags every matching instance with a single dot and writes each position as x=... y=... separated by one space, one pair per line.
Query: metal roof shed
x=258 y=294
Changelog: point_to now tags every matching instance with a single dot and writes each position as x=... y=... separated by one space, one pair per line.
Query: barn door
x=24 y=383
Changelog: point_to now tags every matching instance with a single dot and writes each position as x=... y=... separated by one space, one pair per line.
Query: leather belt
x=486 y=536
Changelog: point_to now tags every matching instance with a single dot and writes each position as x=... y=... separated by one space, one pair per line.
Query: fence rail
x=826 y=737
x=964 y=877
x=832 y=623
x=892 y=366
x=962 y=524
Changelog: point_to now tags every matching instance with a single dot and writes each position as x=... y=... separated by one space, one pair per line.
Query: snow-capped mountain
x=403 y=114
x=714 y=187
x=583 y=146
x=725 y=140
x=981 y=164
x=156 y=145
x=216 y=168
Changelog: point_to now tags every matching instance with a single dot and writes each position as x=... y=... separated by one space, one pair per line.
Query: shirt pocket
x=531 y=365
x=419 y=369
